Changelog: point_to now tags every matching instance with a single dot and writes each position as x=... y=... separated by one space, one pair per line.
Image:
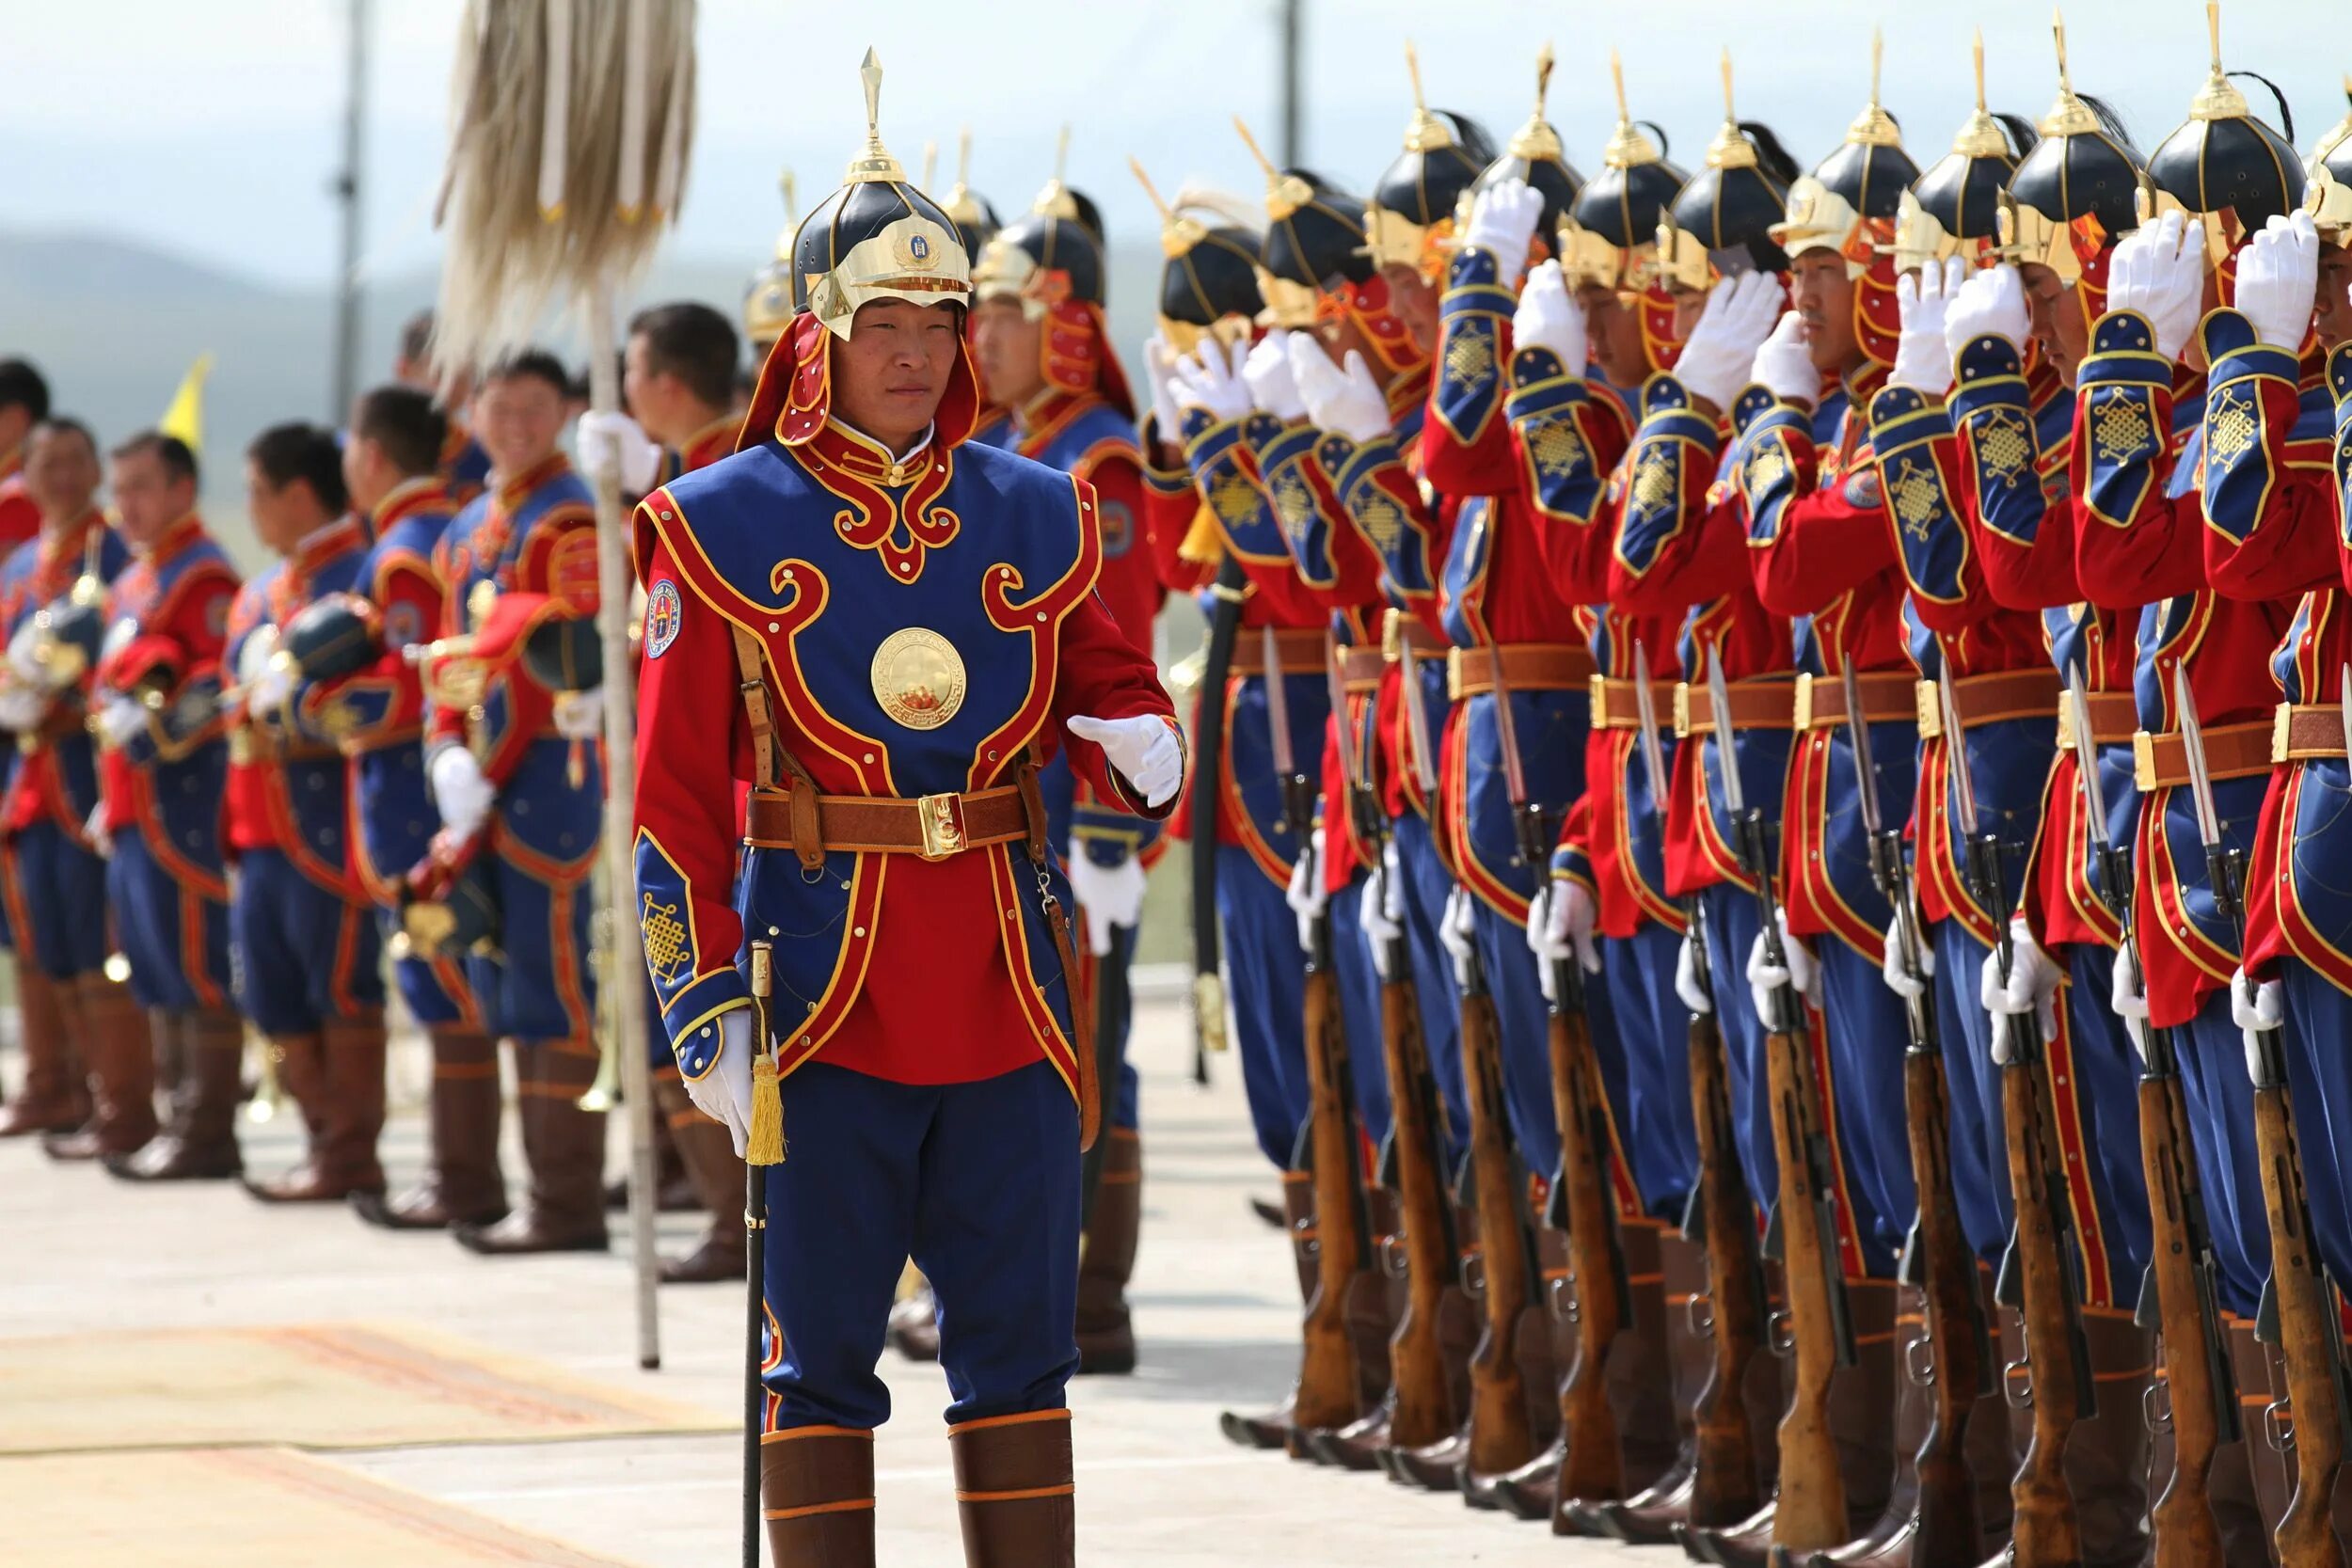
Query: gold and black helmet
x=768 y=298
x=1411 y=213
x=1533 y=155
x=2329 y=172
x=976 y=221
x=1209 y=277
x=1721 y=222
x=1314 y=240
x=1954 y=209
x=2224 y=166
x=1610 y=230
x=2076 y=189
x=1860 y=184
x=1055 y=250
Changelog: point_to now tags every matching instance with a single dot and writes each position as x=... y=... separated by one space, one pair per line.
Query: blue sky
x=211 y=129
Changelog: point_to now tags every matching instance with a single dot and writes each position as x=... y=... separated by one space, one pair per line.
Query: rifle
x=2044 y=1529
x=1960 y=1351
x=1327 y=1394
x=1208 y=794
x=1812 y=1511
x=1724 y=1488
x=1421 y=1394
x=2299 y=1303
x=1592 y=1462
x=2177 y=1297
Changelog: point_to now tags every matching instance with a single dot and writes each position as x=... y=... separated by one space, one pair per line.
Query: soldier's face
x=147 y=498
x=1008 y=348
x=1824 y=298
x=889 y=376
x=2335 y=295
x=61 y=472
x=518 y=419
x=1616 y=336
x=1414 y=300
x=2059 y=327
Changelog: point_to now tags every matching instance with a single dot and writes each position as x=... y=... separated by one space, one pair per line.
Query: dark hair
x=1771 y=155
x=66 y=424
x=287 y=452
x=172 y=452
x=22 y=387
x=693 y=342
x=417 y=336
x=404 y=424
x=1471 y=135
x=533 y=363
x=2023 y=138
x=2110 y=118
x=2286 y=115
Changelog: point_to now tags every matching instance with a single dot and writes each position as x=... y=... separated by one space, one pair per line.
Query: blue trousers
x=2106 y=1074
x=1979 y=1142
x=1731 y=926
x=2319 y=1077
x=302 y=954
x=1867 y=1036
x=1424 y=886
x=2220 y=1100
x=1266 y=975
x=176 y=937
x=538 y=987
x=1359 y=1008
x=978 y=1183
x=1526 y=1030
x=1653 y=1027
x=58 y=897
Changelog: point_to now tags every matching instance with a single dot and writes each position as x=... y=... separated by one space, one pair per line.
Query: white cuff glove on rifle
x=1306 y=895
x=1897 y=973
x=101 y=842
x=725 y=1093
x=1800 y=971
x=2128 y=999
x=580 y=715
x=1458 y=930
x=2257 y=1009
x=463 y=795
x=1160 y=371
x=1382 y=911
x=121 y=719
x=1143 y=749
x=1687 y=985
x=609 y=438
x=2031 y=988
x=1559 y=925
x=1109 y=895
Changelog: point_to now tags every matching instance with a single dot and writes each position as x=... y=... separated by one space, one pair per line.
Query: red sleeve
x=1130 y=583
x=1810 y=542
x=1101 y=674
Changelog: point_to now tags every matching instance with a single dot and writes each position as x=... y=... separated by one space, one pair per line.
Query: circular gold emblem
x=918 y=678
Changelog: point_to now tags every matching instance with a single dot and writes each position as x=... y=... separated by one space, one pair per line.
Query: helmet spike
x=1178 y=234
x=1731 y=148
x=1425 y=133
x=1061 y=154
x=2069 y=116
x=1135 y=165
x=1536 y=140
x=930 y=164
x=1731 y=115
x=1412 y=68
x=1874 y=126
x=1616 y=78
x=1054 y=200
x=874 y=164
x=1544 y=61
x=1627 y=146
x=2058 y=27
x=1264 y=163
x=964 y=156
x=1284 y=193
x=1977 y=50
x=2220 y=98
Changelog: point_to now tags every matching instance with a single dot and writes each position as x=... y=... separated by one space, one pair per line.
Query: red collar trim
x=406 y=498
x=344 y=534
x=179 y=537
x=513 y=491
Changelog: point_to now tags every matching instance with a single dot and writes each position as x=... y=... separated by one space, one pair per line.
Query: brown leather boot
x=1271 y=1429
x=54 y=1096
x=344 y=1105
x=816 y=1485
x=462 y=1183
x=1015 y=1490
x=1107 y=1334
x=708 y=1150
x=201 y=1145
x=171 y=1053
x=1889 y=1540
x=120 y=1054
x=2107 y=1457
x=1367 y=1318
x=564 y=1211
x=1649 y=1515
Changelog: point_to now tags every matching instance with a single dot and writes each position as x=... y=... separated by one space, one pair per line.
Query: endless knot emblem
x=1383 y=522
x=2123 y=432
x=1233 y=498
x=1653 y=481
x=1559 y=449
x=1766 y=469
x=2004 y=448
x=1917 y=498
x=1294 y=504
x=2231 y=428
x=667 y=954
x=1469 y=357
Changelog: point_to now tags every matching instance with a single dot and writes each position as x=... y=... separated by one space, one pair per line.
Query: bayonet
x=1653 y=754
x=1277 y=703
x=1417 y=721
x=1719 y=713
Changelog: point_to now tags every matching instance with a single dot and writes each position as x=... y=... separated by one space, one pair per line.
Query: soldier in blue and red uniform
x=163 y=770
x=24 y=405
x=464 y=465
x=518 y=775
x=1040 y=340
x=889 y=685
x=51 y=875
x=309 y=973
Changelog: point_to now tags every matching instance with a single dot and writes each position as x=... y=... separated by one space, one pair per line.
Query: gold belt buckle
x=1801 y=717
x=943 y=826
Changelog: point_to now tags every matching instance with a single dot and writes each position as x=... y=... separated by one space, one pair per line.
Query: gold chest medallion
x=918 y=678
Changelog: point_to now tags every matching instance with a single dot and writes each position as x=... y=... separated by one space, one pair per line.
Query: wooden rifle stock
x=1500 y=1435
x=1812 y=1511
x=1328 y=1392
x=1724 y=1488
x=2310 y=1335
x=1591 y=1462
x=1422 y=1395
x=2203 y=1403
x=1958 y=1347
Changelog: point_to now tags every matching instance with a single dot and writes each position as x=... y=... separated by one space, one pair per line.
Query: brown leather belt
x=1399 y=631
x=2300 y=730
x=1615 y=704
x=2231 y=752
x=1299 y=648
x=2114 y=719
x=1887 y=697
x=1755 y=705
x=932 y=826
x=1989 y=698
x=65 y=717
x=1361 y=670
x=1526 y=667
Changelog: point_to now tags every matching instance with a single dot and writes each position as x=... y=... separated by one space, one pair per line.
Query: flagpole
x=348 y=192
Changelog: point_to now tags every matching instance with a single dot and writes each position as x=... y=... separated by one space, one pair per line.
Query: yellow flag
x=185 y=417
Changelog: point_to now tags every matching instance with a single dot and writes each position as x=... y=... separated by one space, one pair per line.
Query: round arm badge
x=663 y=616
x=918 y=678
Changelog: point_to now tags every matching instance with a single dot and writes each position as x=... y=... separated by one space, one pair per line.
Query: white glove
x=1737 y=317
x=461 y=794
x=1458 y=930
x=1110 y=894
x=270 y=690
x=1923 y=356
x=1211 y=379
x=23 y=662
x=1898 y=976
x=1548 y=317
x=1990 y=304
x=725 y=1093
x=1784 y=366
x=1143 y=749
x=2156 y=273
x=1560 y=924
x=1502 y=221
x=2128 y=1000
x=120 y=719
x=1800 y=971
x=1346 y=402
x=1381 y=912
x=21 y=707
x=610 y=441
x=580 y=715
x=1687 y=978
x=2031 y=988
x=1160 y=371
x=2257 y=1009
x=101 y=841
x=1267 y=374
x=2278 y=279
x=1306 y=895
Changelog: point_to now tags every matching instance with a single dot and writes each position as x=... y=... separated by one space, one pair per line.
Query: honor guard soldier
x=360 y=690
x=1040 y=340
x=90 y=1070
x=768 y=297
x=309 y=973
x=890 y=686
x=464 y=465
x=163 y=771
x=24 y=405
x=976 y=224
x=517 y=777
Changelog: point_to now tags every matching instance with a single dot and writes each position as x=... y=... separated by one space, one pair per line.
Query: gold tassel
x=1203 y=543
x=764 y=1145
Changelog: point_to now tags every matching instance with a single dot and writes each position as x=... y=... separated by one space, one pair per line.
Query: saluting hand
x=1548 y=317
x=1991 y=304
x=1923 y=357
x=2277 y=280
x=1502 y=221
x=1343 y=402
x=2158 y=270
x=1211 y=380
x=1144 y=750
x=1267 y=375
